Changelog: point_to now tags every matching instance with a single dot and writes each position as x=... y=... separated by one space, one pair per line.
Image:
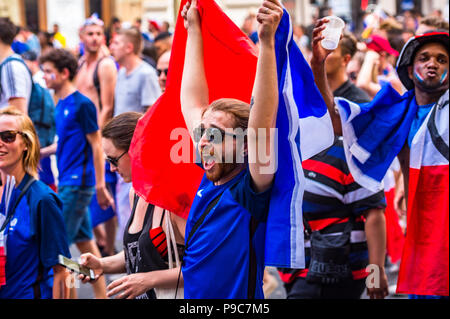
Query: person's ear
x=65 y=73
x=129 y=48
x=347 y=59
x=410 y=72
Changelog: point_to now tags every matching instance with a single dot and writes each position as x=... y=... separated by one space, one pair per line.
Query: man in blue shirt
x=79 y=155
x=225 y=231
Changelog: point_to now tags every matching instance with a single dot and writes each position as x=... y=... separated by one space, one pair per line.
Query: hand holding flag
x=190 y=15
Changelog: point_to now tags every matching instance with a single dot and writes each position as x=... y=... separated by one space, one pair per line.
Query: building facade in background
x=70 y=14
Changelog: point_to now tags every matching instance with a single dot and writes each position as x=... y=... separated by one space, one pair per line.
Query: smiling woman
x=31 y=224
x=18 y=155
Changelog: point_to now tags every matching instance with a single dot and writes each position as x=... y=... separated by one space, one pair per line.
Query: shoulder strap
x=10 y=59
x=202 y=217
x=436 y=138
x=205 y=213
x=162 y=218
x=135 y=202
x=13 y=211
x=96 y=81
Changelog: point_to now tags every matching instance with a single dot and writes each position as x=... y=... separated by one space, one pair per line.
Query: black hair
x=61 y=59
x=163 y=36
x=8 y=31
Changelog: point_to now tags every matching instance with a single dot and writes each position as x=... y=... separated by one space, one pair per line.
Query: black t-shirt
x=352 y=93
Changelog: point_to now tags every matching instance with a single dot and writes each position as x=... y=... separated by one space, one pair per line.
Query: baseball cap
x=379 y=44
x=410 y=49
x=155 y=24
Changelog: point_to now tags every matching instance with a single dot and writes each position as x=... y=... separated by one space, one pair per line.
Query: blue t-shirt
x=35 y=235
x=422 y=113
x=216 y=264
x=75 y=117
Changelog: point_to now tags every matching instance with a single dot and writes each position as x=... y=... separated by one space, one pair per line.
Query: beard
x=219 y=171
x=220 y=168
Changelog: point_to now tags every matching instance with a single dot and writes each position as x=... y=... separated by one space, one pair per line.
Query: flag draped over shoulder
x=424 y=269
x=374 y=133
x=304 y=129
x=230 y=65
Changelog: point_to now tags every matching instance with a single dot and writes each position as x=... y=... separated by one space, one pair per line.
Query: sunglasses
x=115 y=160
x=158 y=72
x=9 y=136
x=213 y=134
x=353 y=76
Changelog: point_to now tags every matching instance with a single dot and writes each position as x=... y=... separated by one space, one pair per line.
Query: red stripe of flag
x=230 y=58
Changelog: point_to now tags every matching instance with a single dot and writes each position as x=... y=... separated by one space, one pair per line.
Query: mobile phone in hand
x=76 y=267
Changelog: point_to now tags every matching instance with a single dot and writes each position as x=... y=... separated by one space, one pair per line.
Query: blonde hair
x=238 y=109
x=31 y=156
x=133 y=36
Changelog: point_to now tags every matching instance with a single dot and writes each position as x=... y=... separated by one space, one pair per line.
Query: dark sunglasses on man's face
x=213 y=134
x=158 y=71
x=115 y=160
x=9 y=136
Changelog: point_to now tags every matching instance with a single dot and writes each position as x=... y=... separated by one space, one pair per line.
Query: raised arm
x=320 y=76
x=194 y=88
x=365 y=76
x=264 y=111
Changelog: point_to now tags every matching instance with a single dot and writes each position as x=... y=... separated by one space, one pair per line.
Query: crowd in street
x=375 y=195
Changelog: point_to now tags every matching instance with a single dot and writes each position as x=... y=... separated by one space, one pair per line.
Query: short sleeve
x=151 y=90
x=372 y=201
x=87 y=117
x=16 y=81
x=256 y=203
x=53 y=238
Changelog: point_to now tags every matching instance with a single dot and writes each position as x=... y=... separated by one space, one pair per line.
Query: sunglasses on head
x=158 y=71
x=213 y=134
x=9 y=136
x=115 y=160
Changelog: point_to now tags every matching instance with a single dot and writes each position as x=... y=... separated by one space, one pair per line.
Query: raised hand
x=190 y=15
x=319 y=53
x=269 y=17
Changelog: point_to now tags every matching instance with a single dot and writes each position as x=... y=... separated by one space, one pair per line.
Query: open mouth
x=208 y=162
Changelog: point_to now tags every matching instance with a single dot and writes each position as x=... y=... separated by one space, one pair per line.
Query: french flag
x=304 y=130
x=374 y=133
x=424 y=269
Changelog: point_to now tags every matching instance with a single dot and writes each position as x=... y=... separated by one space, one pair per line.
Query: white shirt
x=15 y=82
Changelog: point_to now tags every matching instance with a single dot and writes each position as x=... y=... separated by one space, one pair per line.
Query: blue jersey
x=222 y=259
x=75 y=117
x=35 y=237
x=422 y=113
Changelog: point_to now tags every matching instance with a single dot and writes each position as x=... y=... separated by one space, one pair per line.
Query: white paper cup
x=332 y=32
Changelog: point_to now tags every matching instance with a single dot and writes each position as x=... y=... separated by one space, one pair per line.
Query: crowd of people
x=83 y=105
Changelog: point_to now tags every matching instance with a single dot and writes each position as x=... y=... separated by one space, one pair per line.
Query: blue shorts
x=99 y=215
x=76 y=200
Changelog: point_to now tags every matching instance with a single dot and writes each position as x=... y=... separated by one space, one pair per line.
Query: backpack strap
x=197 y=224
x=13 y=211
x=97 y=82
x=10 y=59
